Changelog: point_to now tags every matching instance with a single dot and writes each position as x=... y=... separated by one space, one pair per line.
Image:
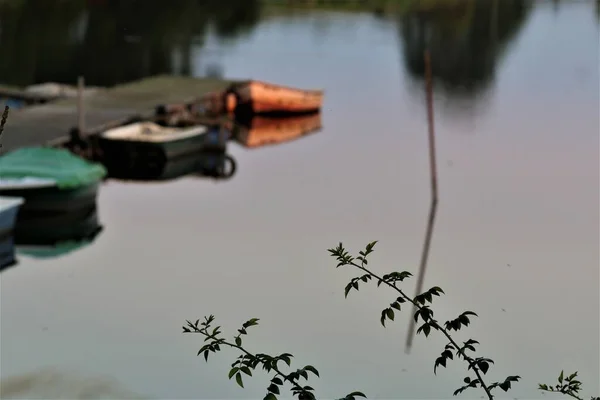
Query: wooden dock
x=42 y=124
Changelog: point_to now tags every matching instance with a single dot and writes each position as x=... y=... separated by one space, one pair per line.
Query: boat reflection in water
x=262 y=131
x=7 y=252
x=48 y=235
x=211 y=164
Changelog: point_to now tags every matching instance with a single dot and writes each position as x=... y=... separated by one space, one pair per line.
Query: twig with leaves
x=479 y=365
x=567 y=385
x=248 y=362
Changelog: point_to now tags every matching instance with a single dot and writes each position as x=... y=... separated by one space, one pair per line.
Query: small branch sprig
x=479 y=365
x=248 y=362
x=567 y=385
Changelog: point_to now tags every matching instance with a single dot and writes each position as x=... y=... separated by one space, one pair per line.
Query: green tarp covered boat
x=49 y=179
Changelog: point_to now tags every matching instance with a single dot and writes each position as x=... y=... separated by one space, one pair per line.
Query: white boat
x=150 y=132
x=154 y=143
x=9 y=207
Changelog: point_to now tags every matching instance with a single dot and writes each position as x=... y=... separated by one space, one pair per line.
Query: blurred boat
x=255 y=97
x=213 y=164
x=7 y=252
x=151 y=142
x=49 y=179
x=261 y=131
x=9 y=207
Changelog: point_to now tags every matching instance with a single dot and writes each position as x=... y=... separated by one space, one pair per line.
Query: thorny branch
x=248 y=362
x=478 y=365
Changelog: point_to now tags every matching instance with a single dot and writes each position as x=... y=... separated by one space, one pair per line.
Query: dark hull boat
x=147 y=142
x=212 y=164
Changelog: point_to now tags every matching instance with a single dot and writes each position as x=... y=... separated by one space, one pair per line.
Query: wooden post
x=80 y=109
x=434 y=194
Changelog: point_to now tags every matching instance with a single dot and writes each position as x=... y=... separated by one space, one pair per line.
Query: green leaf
x=348 y=289
x=370 y=246
x=396 y=305
x=270 y=396
x=436 y=290
x=390 y=313
x=238 y=340
x=426 y=329
x=246 y=370
x=383 y=316
x=273 y=388
x=417 y=313
x=232 y=372
x=277 y=381
x=206 y=355
x=238 y=379
x=312 y=369
x=286 y=358
x=440 y=361
x=560 y=377
x=357 y=394
x=484 y=367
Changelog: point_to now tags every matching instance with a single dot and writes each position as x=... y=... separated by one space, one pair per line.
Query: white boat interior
x=151 y=132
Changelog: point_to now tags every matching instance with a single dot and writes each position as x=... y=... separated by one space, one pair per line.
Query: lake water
x=516 y=238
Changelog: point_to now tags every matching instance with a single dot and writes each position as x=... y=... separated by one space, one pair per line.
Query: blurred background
x=516 y=99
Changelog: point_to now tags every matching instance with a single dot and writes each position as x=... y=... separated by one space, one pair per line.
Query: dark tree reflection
x=466 y=39
x=110 y=41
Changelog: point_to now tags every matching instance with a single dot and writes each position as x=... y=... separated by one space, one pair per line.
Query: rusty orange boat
x=267 y=131
x=260 y=98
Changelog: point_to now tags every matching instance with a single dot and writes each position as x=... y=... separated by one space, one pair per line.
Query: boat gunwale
x=43 y=183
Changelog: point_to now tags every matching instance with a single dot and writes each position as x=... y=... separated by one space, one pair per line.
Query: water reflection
x=50 y=235
x=110 y=41
x=466 y=39
x=7 y=252
x=261 y=131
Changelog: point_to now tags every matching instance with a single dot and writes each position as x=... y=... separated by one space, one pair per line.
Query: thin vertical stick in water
x=3 y=121
x=80 y=110
x=434 y=193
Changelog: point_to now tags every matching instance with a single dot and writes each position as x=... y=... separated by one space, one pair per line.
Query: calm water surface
x=516 y=238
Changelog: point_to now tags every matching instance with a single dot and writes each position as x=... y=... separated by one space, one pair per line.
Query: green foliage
x=247 y=362
x=568 y=385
